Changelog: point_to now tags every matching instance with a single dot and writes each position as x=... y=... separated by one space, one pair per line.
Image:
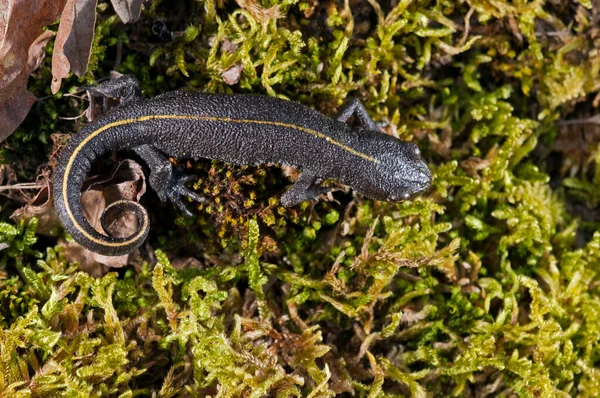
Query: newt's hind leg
x=306 y=188
x=125 y=88
x=353 y=107
x=168 y=183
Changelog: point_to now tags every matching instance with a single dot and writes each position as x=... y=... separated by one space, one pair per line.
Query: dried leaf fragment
x=259 y=13
x=41 y=207
x=128 y=10
x=232 y=75
x=73 y=44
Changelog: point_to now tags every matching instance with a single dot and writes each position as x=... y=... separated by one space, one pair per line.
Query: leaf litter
x=22 y=42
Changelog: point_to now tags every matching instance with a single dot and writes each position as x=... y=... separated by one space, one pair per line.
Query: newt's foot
x=293 y=197
x=177 y=189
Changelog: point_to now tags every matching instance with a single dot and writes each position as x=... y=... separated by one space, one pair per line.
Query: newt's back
x=249 y=129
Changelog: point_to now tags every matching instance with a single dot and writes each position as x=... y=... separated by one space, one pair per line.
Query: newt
x=242 y=129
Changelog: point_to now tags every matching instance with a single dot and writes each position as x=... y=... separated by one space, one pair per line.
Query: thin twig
x=589 y=120
x=559 y=33
x=25 y=185
x=71 y=117
x=463 y=40
x=119 y=54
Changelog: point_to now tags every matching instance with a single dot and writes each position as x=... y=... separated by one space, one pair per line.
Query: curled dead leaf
x=126 y=182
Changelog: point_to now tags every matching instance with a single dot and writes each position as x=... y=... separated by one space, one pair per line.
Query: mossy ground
x=487 y=285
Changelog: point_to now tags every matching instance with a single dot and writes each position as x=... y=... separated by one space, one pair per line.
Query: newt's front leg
x=168 y=183
x=306 y=188
x=353 y=107
x=125 y=88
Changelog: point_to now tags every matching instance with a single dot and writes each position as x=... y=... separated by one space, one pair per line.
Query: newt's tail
x=68 y=180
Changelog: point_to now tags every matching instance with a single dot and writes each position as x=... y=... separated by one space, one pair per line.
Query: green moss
x=487 y=284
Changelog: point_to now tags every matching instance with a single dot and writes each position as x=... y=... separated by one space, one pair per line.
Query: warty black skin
x=239 y=129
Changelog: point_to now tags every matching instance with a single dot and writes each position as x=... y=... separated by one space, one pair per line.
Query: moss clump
x=487 y=285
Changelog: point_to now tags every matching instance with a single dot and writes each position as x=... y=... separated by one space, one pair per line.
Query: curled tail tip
x=115 y=246
x=107 y=244
x=66 y=191
x=122 y=206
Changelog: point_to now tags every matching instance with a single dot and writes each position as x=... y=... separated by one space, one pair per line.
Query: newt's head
x=400 y=172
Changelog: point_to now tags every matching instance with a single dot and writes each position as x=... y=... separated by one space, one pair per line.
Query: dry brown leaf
x=128 y=10
x=22 y=42
x=228 y=46
x=41 y=207
x=73 y=44
x=7 y=175
x=126 y=183
x=473 y=165
x=258 y=12
x=186 y=263
x=232 y=75
x=577 y=143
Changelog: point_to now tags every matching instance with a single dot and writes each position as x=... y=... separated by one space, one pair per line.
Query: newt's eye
x=417 y=151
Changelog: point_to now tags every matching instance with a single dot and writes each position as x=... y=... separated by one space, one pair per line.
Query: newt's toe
x=177 y=190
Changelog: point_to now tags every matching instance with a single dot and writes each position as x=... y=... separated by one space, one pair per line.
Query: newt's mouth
x=423 y=181
x=415 y=187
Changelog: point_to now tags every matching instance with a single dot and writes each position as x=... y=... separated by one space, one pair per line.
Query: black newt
x=238 y=128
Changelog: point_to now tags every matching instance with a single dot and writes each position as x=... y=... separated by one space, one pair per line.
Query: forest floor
x=486 y=285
